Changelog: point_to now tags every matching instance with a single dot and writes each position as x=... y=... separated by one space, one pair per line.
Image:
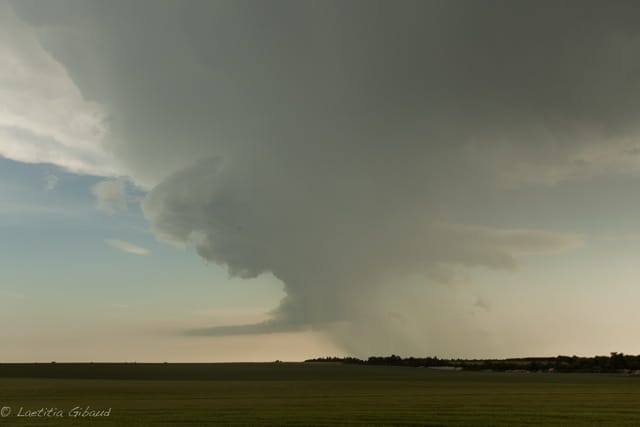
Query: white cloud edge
x=45 y=118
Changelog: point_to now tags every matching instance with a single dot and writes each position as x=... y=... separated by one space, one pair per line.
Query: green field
x=314 y=394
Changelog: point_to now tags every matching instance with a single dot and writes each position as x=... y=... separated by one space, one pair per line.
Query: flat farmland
x=309 y=394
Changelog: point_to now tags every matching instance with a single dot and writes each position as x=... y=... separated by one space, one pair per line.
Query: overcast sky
x=259 y=180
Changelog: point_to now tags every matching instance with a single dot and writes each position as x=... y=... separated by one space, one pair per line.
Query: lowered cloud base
x=340 y=146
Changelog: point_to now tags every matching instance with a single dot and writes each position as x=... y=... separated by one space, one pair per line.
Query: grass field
x=313 y=394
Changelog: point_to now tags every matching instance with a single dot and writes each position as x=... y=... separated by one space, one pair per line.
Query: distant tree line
x=615 y=362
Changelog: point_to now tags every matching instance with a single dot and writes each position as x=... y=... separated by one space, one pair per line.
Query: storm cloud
x=342 y=146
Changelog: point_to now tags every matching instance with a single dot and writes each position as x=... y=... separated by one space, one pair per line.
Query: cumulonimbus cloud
x=328 y=249
x=343 y=146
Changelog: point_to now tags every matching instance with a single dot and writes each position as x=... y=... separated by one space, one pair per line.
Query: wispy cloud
x=120 y=306
x=622 y=237
x=50 y=182
x=111 y=195
x=126 y=247
x=10 y=294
